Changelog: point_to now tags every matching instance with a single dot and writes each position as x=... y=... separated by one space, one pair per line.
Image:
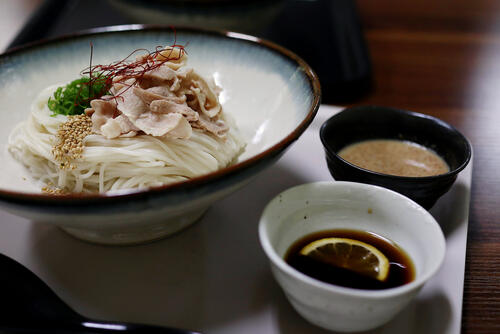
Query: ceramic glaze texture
x=320 y=206
x=271 y=94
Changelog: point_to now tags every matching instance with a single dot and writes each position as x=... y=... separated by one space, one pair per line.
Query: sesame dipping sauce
x=394 y=157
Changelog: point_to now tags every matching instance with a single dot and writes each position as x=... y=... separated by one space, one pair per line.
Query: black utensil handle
x=114 y=327
x=91 y=327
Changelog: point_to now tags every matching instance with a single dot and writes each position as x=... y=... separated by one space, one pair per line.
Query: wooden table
x=443 y=58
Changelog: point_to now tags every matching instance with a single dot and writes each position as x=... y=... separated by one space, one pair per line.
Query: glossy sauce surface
x=394 y=157
x=401 y=270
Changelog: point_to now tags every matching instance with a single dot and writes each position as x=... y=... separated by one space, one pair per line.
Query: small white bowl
x=320 y=206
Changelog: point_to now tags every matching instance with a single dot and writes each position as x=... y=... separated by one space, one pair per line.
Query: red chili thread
x=90 y=68
x=125 y=69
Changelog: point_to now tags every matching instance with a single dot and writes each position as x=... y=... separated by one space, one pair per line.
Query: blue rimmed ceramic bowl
x=271 y=93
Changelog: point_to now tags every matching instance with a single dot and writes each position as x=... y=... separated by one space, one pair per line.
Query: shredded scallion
x=75 y=97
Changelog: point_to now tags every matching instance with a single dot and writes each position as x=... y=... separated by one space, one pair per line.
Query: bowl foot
x=142 y=233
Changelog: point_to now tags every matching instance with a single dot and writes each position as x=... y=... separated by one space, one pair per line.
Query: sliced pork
x=168 y=100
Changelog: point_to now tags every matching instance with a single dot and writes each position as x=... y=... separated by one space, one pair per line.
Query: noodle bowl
x=270 y=93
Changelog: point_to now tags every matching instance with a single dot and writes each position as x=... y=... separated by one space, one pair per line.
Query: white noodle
x=120 y=163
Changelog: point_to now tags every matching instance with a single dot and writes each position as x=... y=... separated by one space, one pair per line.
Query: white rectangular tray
x=214 y=277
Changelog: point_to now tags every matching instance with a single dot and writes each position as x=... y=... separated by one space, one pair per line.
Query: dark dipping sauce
x=401 y=270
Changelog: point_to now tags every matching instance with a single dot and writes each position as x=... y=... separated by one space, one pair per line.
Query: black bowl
x=372 y=122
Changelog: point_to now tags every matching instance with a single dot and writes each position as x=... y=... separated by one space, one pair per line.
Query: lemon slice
x=349 y=254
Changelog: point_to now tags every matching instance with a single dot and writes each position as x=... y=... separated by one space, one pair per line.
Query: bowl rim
x=412 y=114
x=278 y=261
x=82 y=199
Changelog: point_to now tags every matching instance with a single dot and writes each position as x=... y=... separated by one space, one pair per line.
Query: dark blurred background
x=326 y=33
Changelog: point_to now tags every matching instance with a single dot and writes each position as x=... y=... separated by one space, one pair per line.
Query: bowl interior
x=269 y=93
x=314 y=207
x=371 y=122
